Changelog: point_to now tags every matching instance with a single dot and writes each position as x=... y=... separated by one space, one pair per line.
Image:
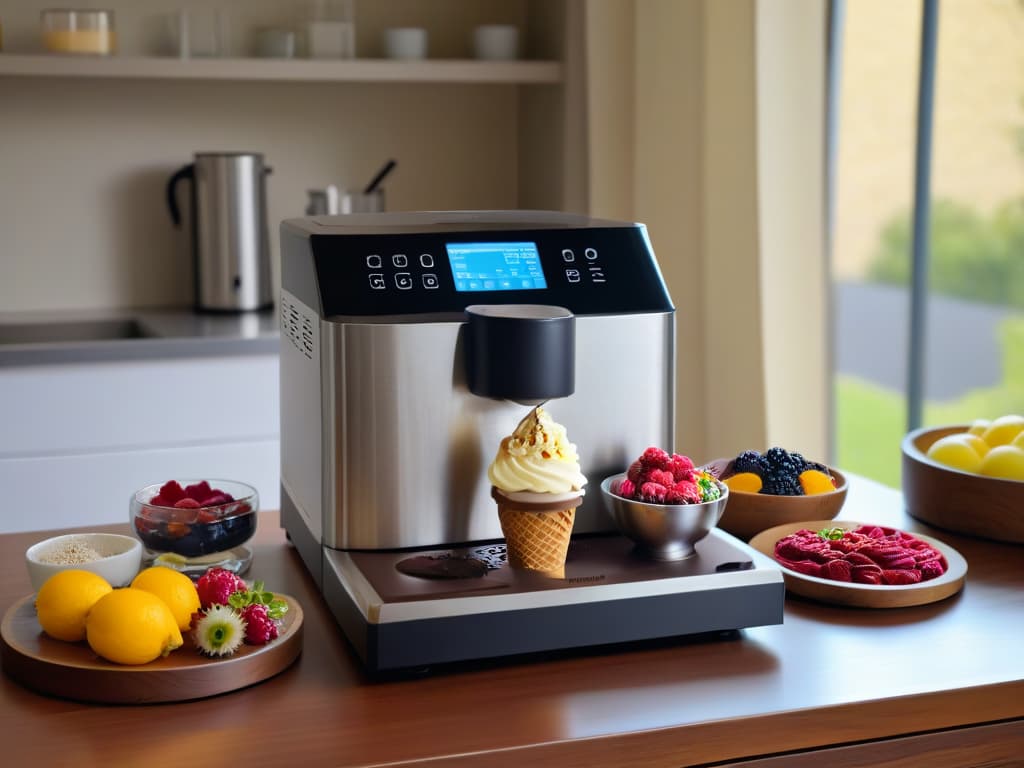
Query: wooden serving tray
x=73 y=671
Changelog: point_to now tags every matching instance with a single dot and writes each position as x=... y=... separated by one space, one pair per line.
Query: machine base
x=610 y=595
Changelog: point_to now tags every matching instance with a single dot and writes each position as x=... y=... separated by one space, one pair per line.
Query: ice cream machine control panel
x=588 y=271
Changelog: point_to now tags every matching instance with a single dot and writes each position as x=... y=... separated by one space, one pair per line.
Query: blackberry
x=805 y=465
x=748 y=461
x=780 y=473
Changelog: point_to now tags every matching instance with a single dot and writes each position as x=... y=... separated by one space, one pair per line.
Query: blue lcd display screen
x=495 y=266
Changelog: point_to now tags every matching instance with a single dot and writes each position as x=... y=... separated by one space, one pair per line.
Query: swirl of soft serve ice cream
x=537 y=457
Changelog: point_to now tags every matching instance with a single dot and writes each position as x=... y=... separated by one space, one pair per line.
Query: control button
x=568 y=256
x=403 y=281
x=475 y=285
x=488 y=285
x=596 y=275
x=426 y=260
x=430 y=280
x=590 y=254
x=572 y=275
x=377 y=281
x=373 y=261
x=400 y=260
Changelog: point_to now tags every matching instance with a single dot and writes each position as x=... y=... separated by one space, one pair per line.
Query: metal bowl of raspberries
x=665 y=504
x=775 y=488
x=195 y=525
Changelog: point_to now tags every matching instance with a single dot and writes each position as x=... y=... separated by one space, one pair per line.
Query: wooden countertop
x=828 y=675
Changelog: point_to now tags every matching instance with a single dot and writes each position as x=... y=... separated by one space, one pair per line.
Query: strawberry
x=259 y=627
x=216 y=586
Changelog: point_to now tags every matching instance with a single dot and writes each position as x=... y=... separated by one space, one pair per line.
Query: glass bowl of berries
x=774 y=488
x=664 y=504
x=195 y=525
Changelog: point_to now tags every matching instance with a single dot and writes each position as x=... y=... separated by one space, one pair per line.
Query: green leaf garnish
x=276 y=608
x=832 y=534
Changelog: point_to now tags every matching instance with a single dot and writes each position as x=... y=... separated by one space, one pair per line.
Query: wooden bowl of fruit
x=979 y=493
x=775 y=488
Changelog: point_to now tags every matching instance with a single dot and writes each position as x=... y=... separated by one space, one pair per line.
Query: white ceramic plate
x=864 y=595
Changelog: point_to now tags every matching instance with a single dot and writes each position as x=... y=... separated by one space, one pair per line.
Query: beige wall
x=725 y=166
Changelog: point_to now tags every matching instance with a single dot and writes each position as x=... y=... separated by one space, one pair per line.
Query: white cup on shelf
x=405 y=43
x=496 y=42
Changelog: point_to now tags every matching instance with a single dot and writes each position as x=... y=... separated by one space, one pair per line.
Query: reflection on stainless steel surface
x=388 y=415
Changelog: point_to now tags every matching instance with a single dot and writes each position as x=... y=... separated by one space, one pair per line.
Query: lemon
x=955 y=451
x=64 y=600
x=131 y=626
x=979 y=445
x=1018 y=440
x=978 y=427
x=1006 y=461
x=1002 y=430
x=174 y=588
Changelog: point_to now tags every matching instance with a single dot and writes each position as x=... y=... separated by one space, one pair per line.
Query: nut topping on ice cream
x=537 y=457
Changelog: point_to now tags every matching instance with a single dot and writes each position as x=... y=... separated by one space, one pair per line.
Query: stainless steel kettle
x=229 y=238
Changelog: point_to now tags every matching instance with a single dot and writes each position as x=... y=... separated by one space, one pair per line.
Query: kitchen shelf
x=353 y=70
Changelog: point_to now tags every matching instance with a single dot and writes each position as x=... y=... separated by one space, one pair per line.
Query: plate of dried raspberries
x=862 y=564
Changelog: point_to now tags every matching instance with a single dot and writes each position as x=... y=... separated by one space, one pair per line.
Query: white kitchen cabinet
x=76 y=439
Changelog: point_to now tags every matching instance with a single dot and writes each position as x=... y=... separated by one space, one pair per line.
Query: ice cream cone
x=536 y=531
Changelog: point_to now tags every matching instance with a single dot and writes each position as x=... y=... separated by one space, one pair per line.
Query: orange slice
x=744 y=481
x=814 y=481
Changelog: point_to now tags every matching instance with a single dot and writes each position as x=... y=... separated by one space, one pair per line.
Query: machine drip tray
x=610 y=594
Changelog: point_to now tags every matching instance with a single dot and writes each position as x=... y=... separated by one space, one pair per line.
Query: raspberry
x=653 y=492
x=187 y=503
x=635 y=470
x=626 y=488
x=684 y=492
x=217 y=498
x=160 y=501
x=681 y=467
x=200 y=491
x=216 y=585
x=661 y=477
x=655 y=458
x=259 y=627
x=171 y=491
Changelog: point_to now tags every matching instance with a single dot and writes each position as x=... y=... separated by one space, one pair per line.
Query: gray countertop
x=42 y=338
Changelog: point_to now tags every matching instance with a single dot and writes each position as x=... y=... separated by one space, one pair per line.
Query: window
x=927 y=134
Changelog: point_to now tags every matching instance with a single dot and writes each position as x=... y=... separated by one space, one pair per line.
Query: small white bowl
x=120 y=557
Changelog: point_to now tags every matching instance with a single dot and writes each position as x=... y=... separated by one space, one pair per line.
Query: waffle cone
x=537 y=534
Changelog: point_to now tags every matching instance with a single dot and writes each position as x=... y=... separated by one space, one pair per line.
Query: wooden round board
x=864 y=595
x=73 y=671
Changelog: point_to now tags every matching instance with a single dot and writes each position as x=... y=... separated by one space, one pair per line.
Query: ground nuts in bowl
x=112 y=556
